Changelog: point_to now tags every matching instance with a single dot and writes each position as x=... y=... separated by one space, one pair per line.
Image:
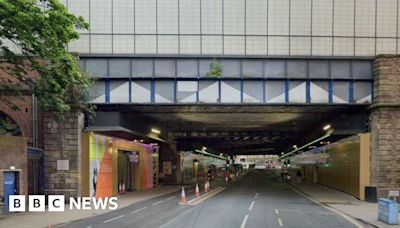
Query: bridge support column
x=385 y=125
x=62 y=150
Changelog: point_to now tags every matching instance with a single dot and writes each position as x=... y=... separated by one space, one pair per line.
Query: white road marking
x=141 y=209
x=251 y=205
x=280 y=222
x=89 y=227
x=276 y=211
x=162 y=201
x=244 y=221
x=113 y=219
x=170 y=198
x=255 y=197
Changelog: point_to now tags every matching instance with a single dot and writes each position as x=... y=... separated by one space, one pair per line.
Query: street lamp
x=155 y=131
x=327 y=127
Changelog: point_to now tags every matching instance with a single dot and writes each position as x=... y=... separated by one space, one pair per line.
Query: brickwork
x=22 y=117
x=62 y=141
x=385 y=125
x=13 y=152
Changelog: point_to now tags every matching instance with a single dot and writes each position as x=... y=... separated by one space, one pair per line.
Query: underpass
x=182 y=88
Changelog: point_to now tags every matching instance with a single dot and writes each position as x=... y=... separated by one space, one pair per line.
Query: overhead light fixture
x=294 y=146
x=282 y=153
x=327 y=127
x=204 y=148
x=155 y=131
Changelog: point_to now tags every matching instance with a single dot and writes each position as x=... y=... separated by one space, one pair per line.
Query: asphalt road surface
x=258 y=199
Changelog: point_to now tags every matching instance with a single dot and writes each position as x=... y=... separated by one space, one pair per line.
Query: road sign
x=134 y=157
x=63 y=165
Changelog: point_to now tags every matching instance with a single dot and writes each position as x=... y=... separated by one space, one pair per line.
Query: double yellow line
x=206 y=196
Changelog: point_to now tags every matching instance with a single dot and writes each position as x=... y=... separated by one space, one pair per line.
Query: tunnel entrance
x=200 y=142
x=232 y=129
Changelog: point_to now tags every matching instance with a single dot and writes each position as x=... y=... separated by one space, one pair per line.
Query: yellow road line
x=203 y=198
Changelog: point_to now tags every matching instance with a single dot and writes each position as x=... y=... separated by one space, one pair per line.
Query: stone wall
x=385 y=125
x=62 y=141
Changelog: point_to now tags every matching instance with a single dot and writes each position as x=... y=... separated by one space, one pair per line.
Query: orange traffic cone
x=183 y=200
x=197 y=193
x=206 y=187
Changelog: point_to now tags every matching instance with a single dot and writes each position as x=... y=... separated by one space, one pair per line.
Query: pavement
x=365 y=212
x=257 y=199
x=44 y=219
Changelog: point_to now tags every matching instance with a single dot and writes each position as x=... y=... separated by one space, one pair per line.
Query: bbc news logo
x=36 y=203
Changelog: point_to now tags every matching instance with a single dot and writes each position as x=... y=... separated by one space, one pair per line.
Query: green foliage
x=41 y=35
x=8 y=126
x=215 y=69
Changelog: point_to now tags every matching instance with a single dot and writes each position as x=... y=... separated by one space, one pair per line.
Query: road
x=258 y=199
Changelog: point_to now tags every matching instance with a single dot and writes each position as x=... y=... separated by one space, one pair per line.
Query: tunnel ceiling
x=248 y=129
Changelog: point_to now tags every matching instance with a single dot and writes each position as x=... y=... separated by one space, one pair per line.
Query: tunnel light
x=204 y=148
x=155 y=131
x=282 y=153
x=327 y=127
x=294 y=146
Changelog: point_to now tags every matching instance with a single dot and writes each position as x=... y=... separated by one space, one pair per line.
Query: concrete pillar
x=385 y=125
x=62 y=154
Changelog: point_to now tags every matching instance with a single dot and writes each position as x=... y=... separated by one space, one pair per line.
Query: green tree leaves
x=40 y=63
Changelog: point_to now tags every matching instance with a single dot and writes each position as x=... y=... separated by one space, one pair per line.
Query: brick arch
x=21 y=117
x=4 y=115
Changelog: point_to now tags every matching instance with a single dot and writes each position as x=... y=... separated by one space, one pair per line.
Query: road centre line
x=280 y=222
x=276 y=211
x=244 y=221
x=205 y=196
x=170 y=198
x=113 y=219
x=255 y=197
x=251 y=205
x=141 y=209
x=162 y=201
